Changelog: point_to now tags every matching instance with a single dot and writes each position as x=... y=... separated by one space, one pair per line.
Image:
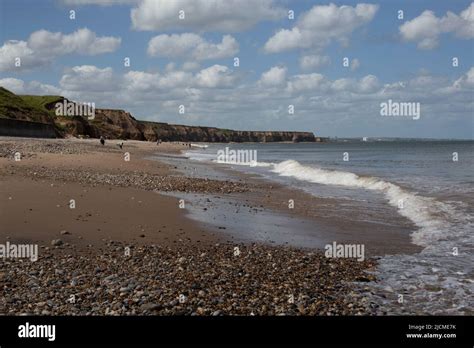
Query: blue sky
x=408 y=60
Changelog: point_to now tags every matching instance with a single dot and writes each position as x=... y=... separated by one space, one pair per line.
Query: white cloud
x=215 y=76
x=190 y=66
x=355 y=64
x=466 y=81
x=274 y=77
x=310 y=62
x=13 y=85
x=171 y=66
x=192 y=45
x=173 y=45
x=34 y=87
x=320 y=25
x=82 y=41
x=89 y=77
x=141 y=81
x=175 y=79
x=13 y=50
x=44 y=46
x=366 y=85
x=426 y=28
x=369 y=84
x=204 y=15
x=227 y=48
x=306 y=82
x=214 y=96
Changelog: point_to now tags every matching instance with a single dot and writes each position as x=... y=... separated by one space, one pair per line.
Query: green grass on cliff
x=8 y=101
x=40 y=101
x=25 y=107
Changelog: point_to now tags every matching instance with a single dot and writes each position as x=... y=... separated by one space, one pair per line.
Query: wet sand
x=114 y=200
x=262 y=214
x=135 y=204
x=37 y=190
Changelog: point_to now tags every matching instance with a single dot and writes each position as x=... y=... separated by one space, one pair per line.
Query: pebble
x=213 y=281
x=57 y=242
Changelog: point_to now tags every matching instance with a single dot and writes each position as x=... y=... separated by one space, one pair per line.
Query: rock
x=64 y=232
x=126 y=289
x=109 y=278
x=150 y=307
x=362 y=279
x=211 y=279
x=57 y=242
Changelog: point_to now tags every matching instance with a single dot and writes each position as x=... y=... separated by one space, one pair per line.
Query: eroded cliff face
x=169 y=132
x=119 y=124
x=112 y=124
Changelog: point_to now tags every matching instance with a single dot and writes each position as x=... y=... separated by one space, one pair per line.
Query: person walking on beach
x=102 y=140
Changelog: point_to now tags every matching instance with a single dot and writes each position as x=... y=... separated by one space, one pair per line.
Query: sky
x=303 y=65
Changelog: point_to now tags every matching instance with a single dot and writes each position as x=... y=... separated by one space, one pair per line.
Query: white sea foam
x=443 y=226
x=249 y=164
x=212 y=157
x=431 y=216
x=200 y=146
x=427 y=213
x=442 y=230
x=200 y=156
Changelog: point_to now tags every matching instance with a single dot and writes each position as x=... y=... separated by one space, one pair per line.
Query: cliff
x=119 y=124
x=26 y=108
x=172 y=132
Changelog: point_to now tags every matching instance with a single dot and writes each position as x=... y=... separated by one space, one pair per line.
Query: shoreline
x=35 y=196
x=270 y=199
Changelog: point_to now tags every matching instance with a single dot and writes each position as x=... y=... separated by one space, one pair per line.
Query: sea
x=429 y=182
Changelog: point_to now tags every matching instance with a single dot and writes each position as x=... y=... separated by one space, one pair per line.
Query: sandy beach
x=174 y=264
x=39 y=187
x=286 y=172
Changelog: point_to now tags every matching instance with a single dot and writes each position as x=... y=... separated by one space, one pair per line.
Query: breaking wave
x=431 y=216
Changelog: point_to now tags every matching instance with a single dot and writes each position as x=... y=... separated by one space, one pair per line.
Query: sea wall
x=17 y=128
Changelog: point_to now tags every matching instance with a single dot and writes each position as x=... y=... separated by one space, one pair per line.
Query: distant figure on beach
x=158 y=142
x=120 y=144
x=102 y=140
